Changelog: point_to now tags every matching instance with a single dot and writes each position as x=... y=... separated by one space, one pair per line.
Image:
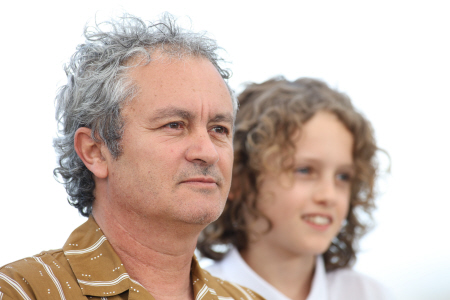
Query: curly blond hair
x=270 y=114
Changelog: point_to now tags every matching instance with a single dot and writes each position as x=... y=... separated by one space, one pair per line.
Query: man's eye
x=174 y=125
x=220 y=130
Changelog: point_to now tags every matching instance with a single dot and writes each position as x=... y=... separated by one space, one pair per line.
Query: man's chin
x=205 y=217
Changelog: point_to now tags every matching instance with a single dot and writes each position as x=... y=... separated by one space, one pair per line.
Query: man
x=145 y=151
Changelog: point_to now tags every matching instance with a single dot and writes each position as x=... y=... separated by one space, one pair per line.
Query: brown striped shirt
x=88 y=268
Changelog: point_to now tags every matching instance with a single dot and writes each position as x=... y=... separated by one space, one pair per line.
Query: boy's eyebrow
x=313 y=159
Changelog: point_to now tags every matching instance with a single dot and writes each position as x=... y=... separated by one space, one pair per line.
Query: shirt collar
x=319 y=287
x=100 y=272
x=98 y=269
x=236 y=266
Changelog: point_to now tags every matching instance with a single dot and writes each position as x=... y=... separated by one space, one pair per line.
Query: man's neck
x=158 y=257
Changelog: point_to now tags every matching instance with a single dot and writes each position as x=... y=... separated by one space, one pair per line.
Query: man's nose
x=202 y=149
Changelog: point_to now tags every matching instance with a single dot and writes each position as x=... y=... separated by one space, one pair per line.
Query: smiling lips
x=318 y=221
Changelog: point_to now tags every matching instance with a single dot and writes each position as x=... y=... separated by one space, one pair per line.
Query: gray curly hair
x=97 y=88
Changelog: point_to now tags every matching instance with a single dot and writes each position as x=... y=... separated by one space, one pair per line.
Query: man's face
x=177 y=144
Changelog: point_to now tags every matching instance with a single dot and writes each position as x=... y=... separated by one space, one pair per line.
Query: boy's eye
x=344 y=177
x=304 y=170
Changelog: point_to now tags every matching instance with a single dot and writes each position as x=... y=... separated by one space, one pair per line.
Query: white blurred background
x=391 y=57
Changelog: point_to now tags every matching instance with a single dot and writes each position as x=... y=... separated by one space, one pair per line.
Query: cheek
x=226 y=161
x=279 y=207
x=343 y=207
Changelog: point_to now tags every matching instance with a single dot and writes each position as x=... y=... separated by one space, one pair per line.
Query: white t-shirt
x=341 y=284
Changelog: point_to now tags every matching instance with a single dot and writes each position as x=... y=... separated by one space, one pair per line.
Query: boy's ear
x=90 y=152
x=235 y=191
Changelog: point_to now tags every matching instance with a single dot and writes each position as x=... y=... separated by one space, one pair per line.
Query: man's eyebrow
x=168 y=112
x=227 y=118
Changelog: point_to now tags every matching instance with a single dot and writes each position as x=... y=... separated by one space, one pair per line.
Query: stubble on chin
x=214 y=206
x=197 y=170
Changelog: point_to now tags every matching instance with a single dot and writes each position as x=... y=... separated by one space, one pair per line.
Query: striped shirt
x=88 y=268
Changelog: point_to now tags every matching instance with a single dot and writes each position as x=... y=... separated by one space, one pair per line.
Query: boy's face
x=307 y=210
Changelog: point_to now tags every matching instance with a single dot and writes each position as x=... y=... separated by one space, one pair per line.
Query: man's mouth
x=200 y=180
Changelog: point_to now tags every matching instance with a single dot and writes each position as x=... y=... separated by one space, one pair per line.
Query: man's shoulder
x=27 y=264
x=36 y=277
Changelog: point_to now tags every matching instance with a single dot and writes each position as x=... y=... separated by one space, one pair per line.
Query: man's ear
x=90 y=152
